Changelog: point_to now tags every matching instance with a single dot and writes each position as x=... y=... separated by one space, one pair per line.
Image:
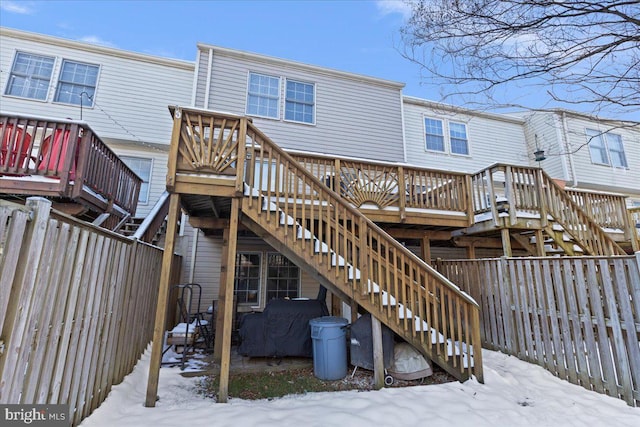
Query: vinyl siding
x=581 y=171
x=491 y=140
x=352 y=117
x=132 y=93
x=209 y=260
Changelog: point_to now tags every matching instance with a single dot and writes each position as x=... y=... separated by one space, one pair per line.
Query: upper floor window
x=30 y=76
x=299 y=102
x=458 y=138
x=435 y=134
x=263 y=95
x=142 y=167
x=435 y=140
x=77 y=80
x=606 y=148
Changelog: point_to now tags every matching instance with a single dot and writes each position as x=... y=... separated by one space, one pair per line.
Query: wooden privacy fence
x=77 y=307
x=579 y=317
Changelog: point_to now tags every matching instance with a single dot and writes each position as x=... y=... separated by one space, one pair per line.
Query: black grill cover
x=362 y=343
x=282 y=329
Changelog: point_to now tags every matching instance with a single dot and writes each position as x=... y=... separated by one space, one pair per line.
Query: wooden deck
x=67 y=162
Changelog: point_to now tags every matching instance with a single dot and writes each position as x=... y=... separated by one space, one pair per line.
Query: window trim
x=284 y=100
x=59 y=80
x=604 y=141
x=446 y=130
x=279 y=98
x=11 y=72
x=147 y=202
x=261 y=288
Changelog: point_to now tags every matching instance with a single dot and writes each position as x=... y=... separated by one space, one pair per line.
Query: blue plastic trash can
x=329 y=347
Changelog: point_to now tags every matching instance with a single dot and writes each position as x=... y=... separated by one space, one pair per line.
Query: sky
x=515 y=394
x=359 y=36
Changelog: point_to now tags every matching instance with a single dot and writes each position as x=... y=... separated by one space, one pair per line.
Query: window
x=77 y=81
x=299 y=102
x=263 y=95
x=30 y=76
x=435 y=135
x=247 y=280
x=142 y=167
x=457 y=142
x=458 y=138
x=606 y=148
x=283 y=277
x=280 y=278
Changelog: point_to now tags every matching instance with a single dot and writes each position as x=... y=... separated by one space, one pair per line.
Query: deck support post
x=229 y=263
x=506 y=242
x=378 y=359
x=539 y=243
x=163 y=296
x=425 y=249
x=217 y=342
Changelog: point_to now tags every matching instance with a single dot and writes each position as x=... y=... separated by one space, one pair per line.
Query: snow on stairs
x=320 y=247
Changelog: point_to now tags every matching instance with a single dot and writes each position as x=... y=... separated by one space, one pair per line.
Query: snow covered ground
x=515 y=393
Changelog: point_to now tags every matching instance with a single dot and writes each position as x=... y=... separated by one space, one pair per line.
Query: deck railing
x=388 y=184
x=64 y=158
x=302 y=217
x=634 y=220
x=520 y=191
x=607 y=210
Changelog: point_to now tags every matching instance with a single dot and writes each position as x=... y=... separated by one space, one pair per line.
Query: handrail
x=154 y=219
x=386 y=184
x=607 y=210
x=531 y=191
x=309 y=219
x=359 y=256
x=70 y=155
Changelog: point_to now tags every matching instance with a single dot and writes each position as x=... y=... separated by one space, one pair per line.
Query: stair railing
x=360 y=258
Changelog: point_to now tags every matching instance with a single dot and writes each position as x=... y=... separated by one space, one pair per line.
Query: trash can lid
x=329 y=321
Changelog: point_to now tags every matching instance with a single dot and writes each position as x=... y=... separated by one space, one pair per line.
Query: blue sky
x=360 y=36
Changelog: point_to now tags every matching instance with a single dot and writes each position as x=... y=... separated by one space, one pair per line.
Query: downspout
x=404 y=139
x=194 y=251
x=565 y=135
x=207 y=89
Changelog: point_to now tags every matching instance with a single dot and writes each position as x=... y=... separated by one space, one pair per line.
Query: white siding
x=544 y=132
x=132 y=93
x=575 y=156
x=491 y=140
x=352 y=117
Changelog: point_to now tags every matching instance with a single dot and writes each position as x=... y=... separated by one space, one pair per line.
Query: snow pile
x=515 y=393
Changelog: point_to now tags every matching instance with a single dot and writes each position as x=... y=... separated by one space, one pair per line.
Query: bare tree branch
x=581 y=52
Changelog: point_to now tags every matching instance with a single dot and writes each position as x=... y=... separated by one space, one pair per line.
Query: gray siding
x=491 y=139
x=352 y=117
x=544 y=131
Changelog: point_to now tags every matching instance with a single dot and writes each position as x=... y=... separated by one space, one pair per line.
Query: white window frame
x=141 y=201
x=90 y=90
x=602 y=138
x=13 y=74
x=249 y=93
x=446 y=136
x=286 y=100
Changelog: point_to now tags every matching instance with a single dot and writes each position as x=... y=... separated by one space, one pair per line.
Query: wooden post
x=217 y=343
x=506 y=242
x=540 y=243
x=229 y=262
x=378 y=359
x=471 y=250
x=336 y=305
x=425 y=248
x=163 y=296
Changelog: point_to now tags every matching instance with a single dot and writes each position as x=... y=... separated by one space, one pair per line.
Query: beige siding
x=491 y=139
x=544 y=131
x=353 y=117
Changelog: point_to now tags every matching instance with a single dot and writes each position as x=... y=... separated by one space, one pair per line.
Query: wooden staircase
x=312 y=225
x=527 y=199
